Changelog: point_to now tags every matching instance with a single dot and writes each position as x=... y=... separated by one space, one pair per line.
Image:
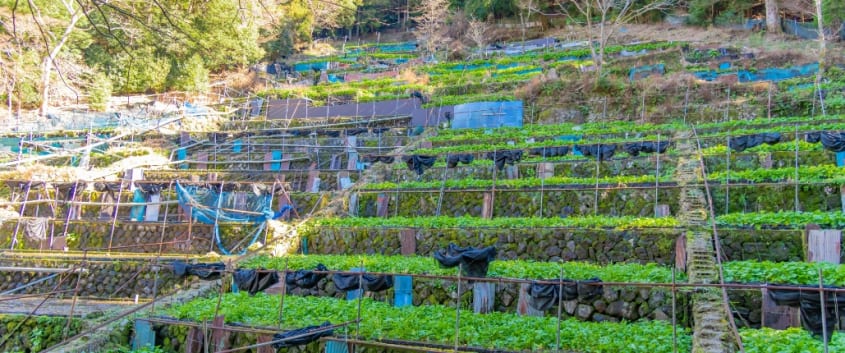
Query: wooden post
x=335 y=162
x=522 y=307
x=662 y=210
x=343 y=181
x=382 y=203
x=681 y=252
x=512 y=172
x=487 y=207
x=353 y=204
x=201 y=157
x=265 y=349
x=194 y=340
x=313 y=184
x=408 y=242
x=483 y=297
x=219 y=335
x=545 y=170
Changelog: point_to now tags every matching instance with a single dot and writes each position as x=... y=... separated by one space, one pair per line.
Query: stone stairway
x=711 y=329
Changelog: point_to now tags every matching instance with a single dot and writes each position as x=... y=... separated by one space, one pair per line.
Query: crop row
x=436 y=324
x=735 y=272
x=759 y=220
x=806 y=174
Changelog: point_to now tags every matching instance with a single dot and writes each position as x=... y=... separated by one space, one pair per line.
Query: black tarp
x=303 y=336
x=810 y=304
x=150 y=188
x=329 y=133
x=542 y=296
x=813 y=137
x=418 y=163
x=370 y=283
x=509 y=157
x=110 y=187
x=833 y=141
x=372 y=158
x=600 y=151
x=635 y=148
x=452 y=160
x=254 y=281
x=305 y=278
x=474 y=262
x=356 y=131
x=550 y=151
x=741 y=143
x=206 y=271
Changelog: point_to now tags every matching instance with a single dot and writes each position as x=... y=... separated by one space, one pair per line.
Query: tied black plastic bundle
x=418 y=163
x=452 y=160
x=301 y=336
x=810 y=304
x=509 y=157
x=150 y=189
x=635 y=148
x=207 y=271
x=474 y=262
x=813 y=137
x=370 y=283
x=254 y=281
x=741 y=143
x=107 y=187
x=542 y=296
x=601 y=152
x=833 y=141
x=550 y=151
x=304 y=278
x=372 y=158
x=329 y=133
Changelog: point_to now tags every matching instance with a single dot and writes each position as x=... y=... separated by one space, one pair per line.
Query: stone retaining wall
x=602 y=246
x=107 y=278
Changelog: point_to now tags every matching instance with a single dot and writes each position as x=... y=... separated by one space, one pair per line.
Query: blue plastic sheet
x=137 y=212
x=487 y=115
x=645 y=71
x=310 y=66
x=767 y=74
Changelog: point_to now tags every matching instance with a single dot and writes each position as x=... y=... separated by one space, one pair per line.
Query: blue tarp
x=646 y=71
x=767 y=74
x=487 y=115
x=137 y=212
x=309 y=66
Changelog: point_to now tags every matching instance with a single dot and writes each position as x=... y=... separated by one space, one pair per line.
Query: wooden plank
x=842 y=197
x=335 y=161
x=353 y=204
x=408 y=242
x=313 y=184
x=681 y=253
x=382 y=204
x=184 y=138
x=766 y=160
x=145 y=336
x=219 y=335
x=352 y=161
x=824 y=245
x=343 y=181
x=483 y=297
x=487 y=206
x=776 y=316
x=522 y=307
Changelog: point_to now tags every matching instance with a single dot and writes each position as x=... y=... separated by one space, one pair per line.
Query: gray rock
x=610 y=295
x=569 y=306
x=584 y=311
x=602 y=318
x=600 y=305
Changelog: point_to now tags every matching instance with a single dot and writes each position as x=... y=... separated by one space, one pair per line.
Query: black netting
x=550 y=151
x=371 y=158
x=833 y=141
x=810 y=304
x=206 y=271
x=474 y=262
x=452 y=160
x=254 y=281
x=509 y=157
x=543 y=296
x=741 y=143
x=601 y=152
x=419 y=163
x=305 y=278
x=636 y=148
x=370 y=283
x=301 y=336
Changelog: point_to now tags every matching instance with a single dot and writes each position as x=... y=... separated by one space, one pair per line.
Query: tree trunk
x=772 y=17
x=49 y=61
